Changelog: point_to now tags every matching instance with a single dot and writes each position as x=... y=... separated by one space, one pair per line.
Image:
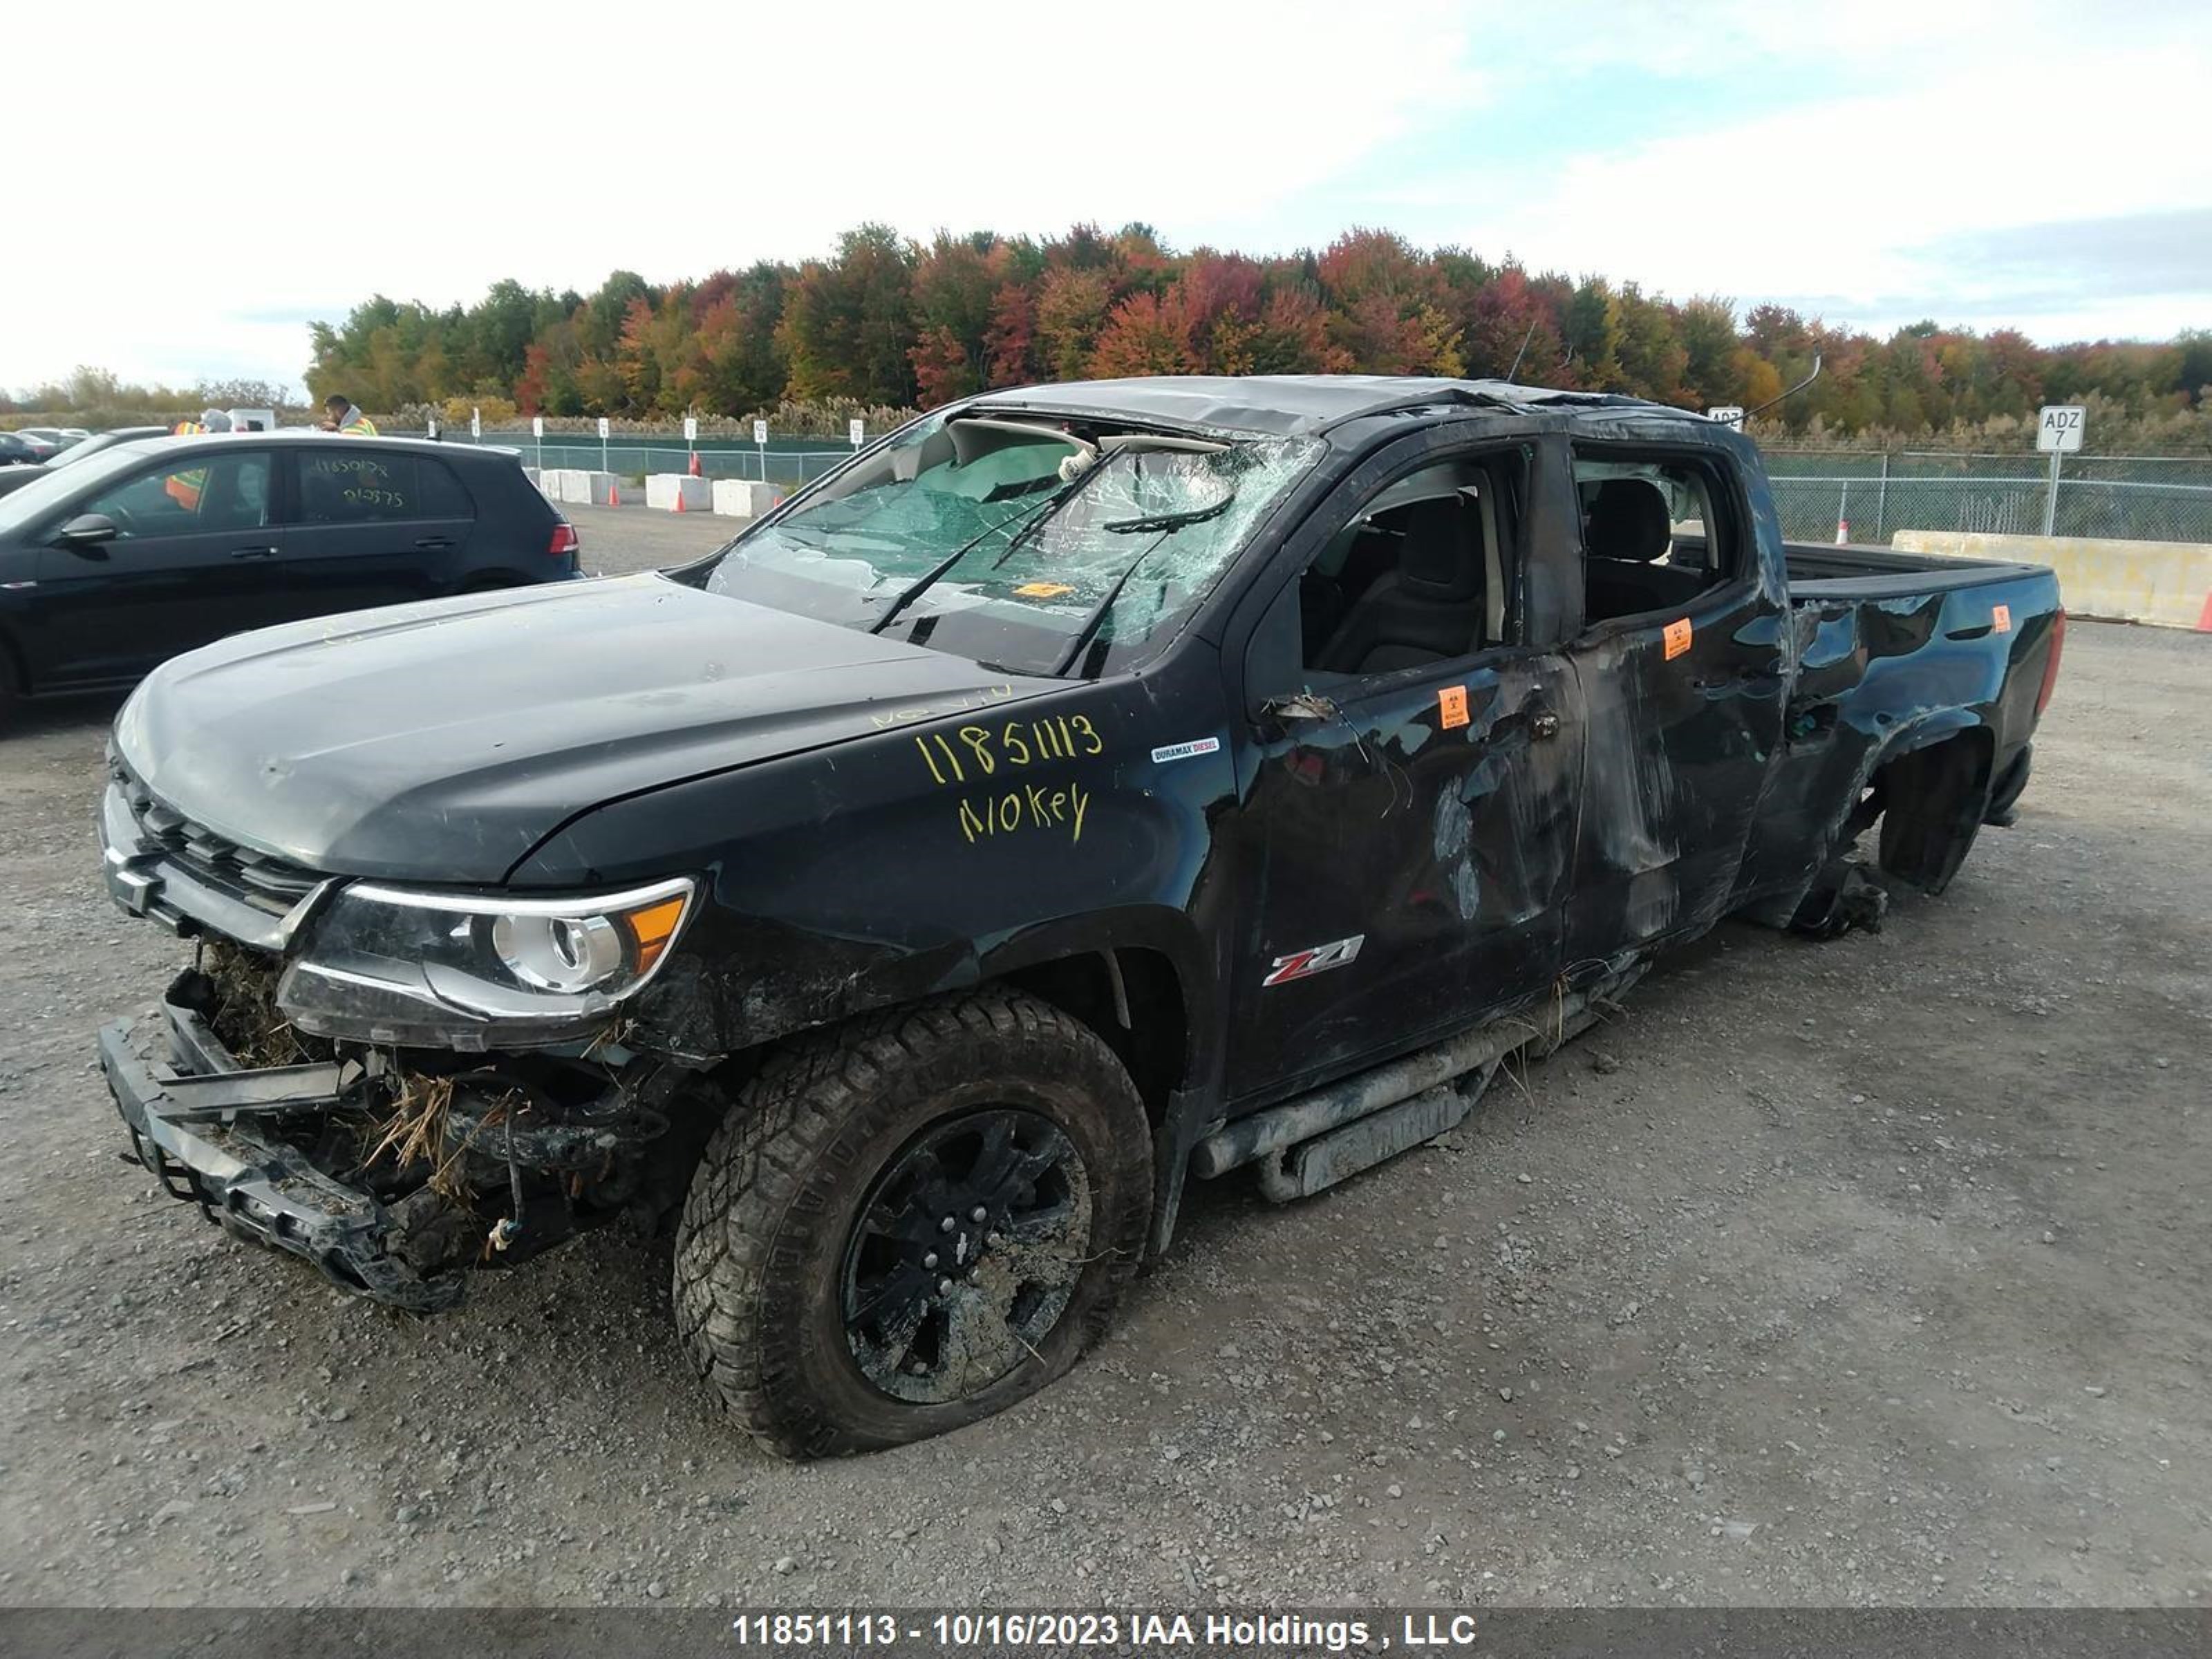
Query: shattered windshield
x=1036 y=546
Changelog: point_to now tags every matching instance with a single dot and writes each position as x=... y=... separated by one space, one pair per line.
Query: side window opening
x=1421 y=573
x=443 y=495
x=1654 y=536
x=218 y=493
x=371 y=487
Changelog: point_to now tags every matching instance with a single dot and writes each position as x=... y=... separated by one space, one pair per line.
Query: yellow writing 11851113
x=979 y=751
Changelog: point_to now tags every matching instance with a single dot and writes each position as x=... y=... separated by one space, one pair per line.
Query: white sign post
x=857 y=430
x=475 y=424
x=604 y=429
x=430 y=429
x=2057 y=433
x=537 y=432
x=760 y=439
x=1729 y=415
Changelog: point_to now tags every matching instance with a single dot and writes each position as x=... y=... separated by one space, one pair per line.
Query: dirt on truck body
x=1086 y=788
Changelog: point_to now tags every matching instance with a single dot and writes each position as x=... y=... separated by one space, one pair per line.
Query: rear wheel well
x=1933 y=800
x=1142 y=1019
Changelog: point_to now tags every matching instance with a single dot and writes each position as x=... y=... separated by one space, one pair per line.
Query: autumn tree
x=1146 y=334
x=848 y=324
x=884 y=321
x=1071 y=309
x=1386 y=314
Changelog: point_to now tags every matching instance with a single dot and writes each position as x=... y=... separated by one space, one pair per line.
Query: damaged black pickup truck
x=1087 y=787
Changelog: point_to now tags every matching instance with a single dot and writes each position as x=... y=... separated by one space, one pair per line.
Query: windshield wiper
x=1096 y=618
x=1169 y=520
x=915 y=590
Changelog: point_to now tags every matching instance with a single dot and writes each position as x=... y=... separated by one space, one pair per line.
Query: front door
x=1408 y=810
x=195 y=556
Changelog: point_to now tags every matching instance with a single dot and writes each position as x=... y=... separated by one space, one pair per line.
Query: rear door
x=196 y=557
x=1679 y=663
x=374 y=525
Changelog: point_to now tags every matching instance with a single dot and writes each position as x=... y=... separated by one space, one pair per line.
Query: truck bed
x=1818 y=570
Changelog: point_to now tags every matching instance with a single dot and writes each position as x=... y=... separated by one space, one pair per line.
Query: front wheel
x=912 y=1222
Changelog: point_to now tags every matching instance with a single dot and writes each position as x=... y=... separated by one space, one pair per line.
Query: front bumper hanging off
x=196 y=1121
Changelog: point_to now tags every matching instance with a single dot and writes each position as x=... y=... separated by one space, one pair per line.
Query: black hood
x=442 y=741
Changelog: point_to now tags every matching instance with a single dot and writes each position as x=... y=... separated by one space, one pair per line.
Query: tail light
x=565 y=540
x=2050 y=664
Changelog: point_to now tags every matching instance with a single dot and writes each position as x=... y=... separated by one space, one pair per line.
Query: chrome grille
x=271 y=885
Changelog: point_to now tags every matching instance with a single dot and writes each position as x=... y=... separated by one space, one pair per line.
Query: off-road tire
x=760 y=1248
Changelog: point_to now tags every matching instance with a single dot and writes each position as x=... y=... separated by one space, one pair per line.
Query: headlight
x=377 y=960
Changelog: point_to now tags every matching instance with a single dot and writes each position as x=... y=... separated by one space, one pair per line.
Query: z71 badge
x=1304 y=964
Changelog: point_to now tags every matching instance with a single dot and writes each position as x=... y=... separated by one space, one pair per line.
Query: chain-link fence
x=779 y=462
x=2123 y=497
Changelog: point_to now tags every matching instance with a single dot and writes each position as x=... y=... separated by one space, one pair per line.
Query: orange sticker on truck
x=2001 y=618
x=1678 y=637
x=1451 y=704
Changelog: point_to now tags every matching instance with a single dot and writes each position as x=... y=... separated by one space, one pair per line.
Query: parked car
x=15 y=451
x=1086 y=788
x=34 y=441
x=100 y=442
x=111 y=564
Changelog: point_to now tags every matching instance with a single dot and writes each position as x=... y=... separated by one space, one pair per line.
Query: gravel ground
x=1871 y=1272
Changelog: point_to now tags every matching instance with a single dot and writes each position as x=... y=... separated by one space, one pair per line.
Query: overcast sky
x=191 y=184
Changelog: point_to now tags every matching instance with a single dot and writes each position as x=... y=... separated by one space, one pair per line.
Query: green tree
x=1593 y=333
x=849 y=323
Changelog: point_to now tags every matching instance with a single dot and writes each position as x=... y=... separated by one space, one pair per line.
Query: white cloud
x=1852 y=204
x=1834 y=199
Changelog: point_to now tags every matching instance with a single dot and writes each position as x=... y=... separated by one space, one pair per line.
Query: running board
x=1314 y=1141
x=1312 y=1165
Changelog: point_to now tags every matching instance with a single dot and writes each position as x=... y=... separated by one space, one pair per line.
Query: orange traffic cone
x=696 y=472
x=679 y=501
x=614 y=494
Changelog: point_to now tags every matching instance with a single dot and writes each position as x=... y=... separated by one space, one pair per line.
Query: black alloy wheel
x=965 y=1255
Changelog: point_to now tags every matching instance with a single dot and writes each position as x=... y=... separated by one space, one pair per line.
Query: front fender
x=918 y=860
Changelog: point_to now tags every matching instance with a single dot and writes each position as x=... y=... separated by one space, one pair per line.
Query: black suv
x=152 y=548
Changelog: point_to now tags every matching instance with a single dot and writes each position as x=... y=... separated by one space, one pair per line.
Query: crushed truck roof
x=1289 y=405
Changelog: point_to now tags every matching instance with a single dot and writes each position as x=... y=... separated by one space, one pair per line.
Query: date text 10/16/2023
x=953 y=1631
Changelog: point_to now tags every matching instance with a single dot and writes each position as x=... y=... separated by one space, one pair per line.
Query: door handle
x=1544 y=724
x=435 y=542
x=252 y=552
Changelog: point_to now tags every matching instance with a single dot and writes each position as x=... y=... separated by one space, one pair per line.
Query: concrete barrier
x=679 y=492
x=595 y=489
x=740 y=498
x=2165 y=583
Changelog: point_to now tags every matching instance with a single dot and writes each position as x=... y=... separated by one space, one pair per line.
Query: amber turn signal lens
x=653 y=927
